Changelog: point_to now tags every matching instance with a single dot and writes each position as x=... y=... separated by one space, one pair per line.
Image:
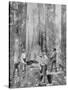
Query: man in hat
x=16 y=57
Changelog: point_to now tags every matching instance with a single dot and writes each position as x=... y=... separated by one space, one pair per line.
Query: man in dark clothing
x=53 y=60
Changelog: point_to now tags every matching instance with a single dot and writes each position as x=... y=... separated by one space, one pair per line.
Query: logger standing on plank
x=53 y=59
x=44 y=65
x=23 y=58
x=43 y=61
x=16 y=57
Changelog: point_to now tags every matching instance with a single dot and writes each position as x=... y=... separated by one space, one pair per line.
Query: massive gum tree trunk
x=31 y=27
x=35 y=25
x=58 y=34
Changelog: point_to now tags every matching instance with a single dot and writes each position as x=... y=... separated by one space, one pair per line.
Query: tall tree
x=58 y=33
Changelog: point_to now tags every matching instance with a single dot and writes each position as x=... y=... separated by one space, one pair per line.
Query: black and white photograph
x=37 y=44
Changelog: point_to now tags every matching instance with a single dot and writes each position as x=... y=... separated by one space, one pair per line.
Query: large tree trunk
x=58 y=34
x=50 y=27
x=31 y=27
x=42 y=24
x=63 y=38
x=36 y=18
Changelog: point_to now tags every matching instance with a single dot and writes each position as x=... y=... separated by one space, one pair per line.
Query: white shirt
x=23 y=56
x=42 y=60
x=45 y=59
x=15 y=57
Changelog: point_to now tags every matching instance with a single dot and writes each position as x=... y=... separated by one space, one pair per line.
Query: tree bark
x=58 y=34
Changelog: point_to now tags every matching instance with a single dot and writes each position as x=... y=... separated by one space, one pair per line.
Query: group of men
x=41 y=61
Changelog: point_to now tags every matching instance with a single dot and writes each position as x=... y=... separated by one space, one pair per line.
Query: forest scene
x=37 y=44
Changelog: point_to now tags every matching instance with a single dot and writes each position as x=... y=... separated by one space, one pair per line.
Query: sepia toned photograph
x=37 y=44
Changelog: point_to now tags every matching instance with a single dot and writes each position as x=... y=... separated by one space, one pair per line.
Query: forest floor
x=31 y=79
